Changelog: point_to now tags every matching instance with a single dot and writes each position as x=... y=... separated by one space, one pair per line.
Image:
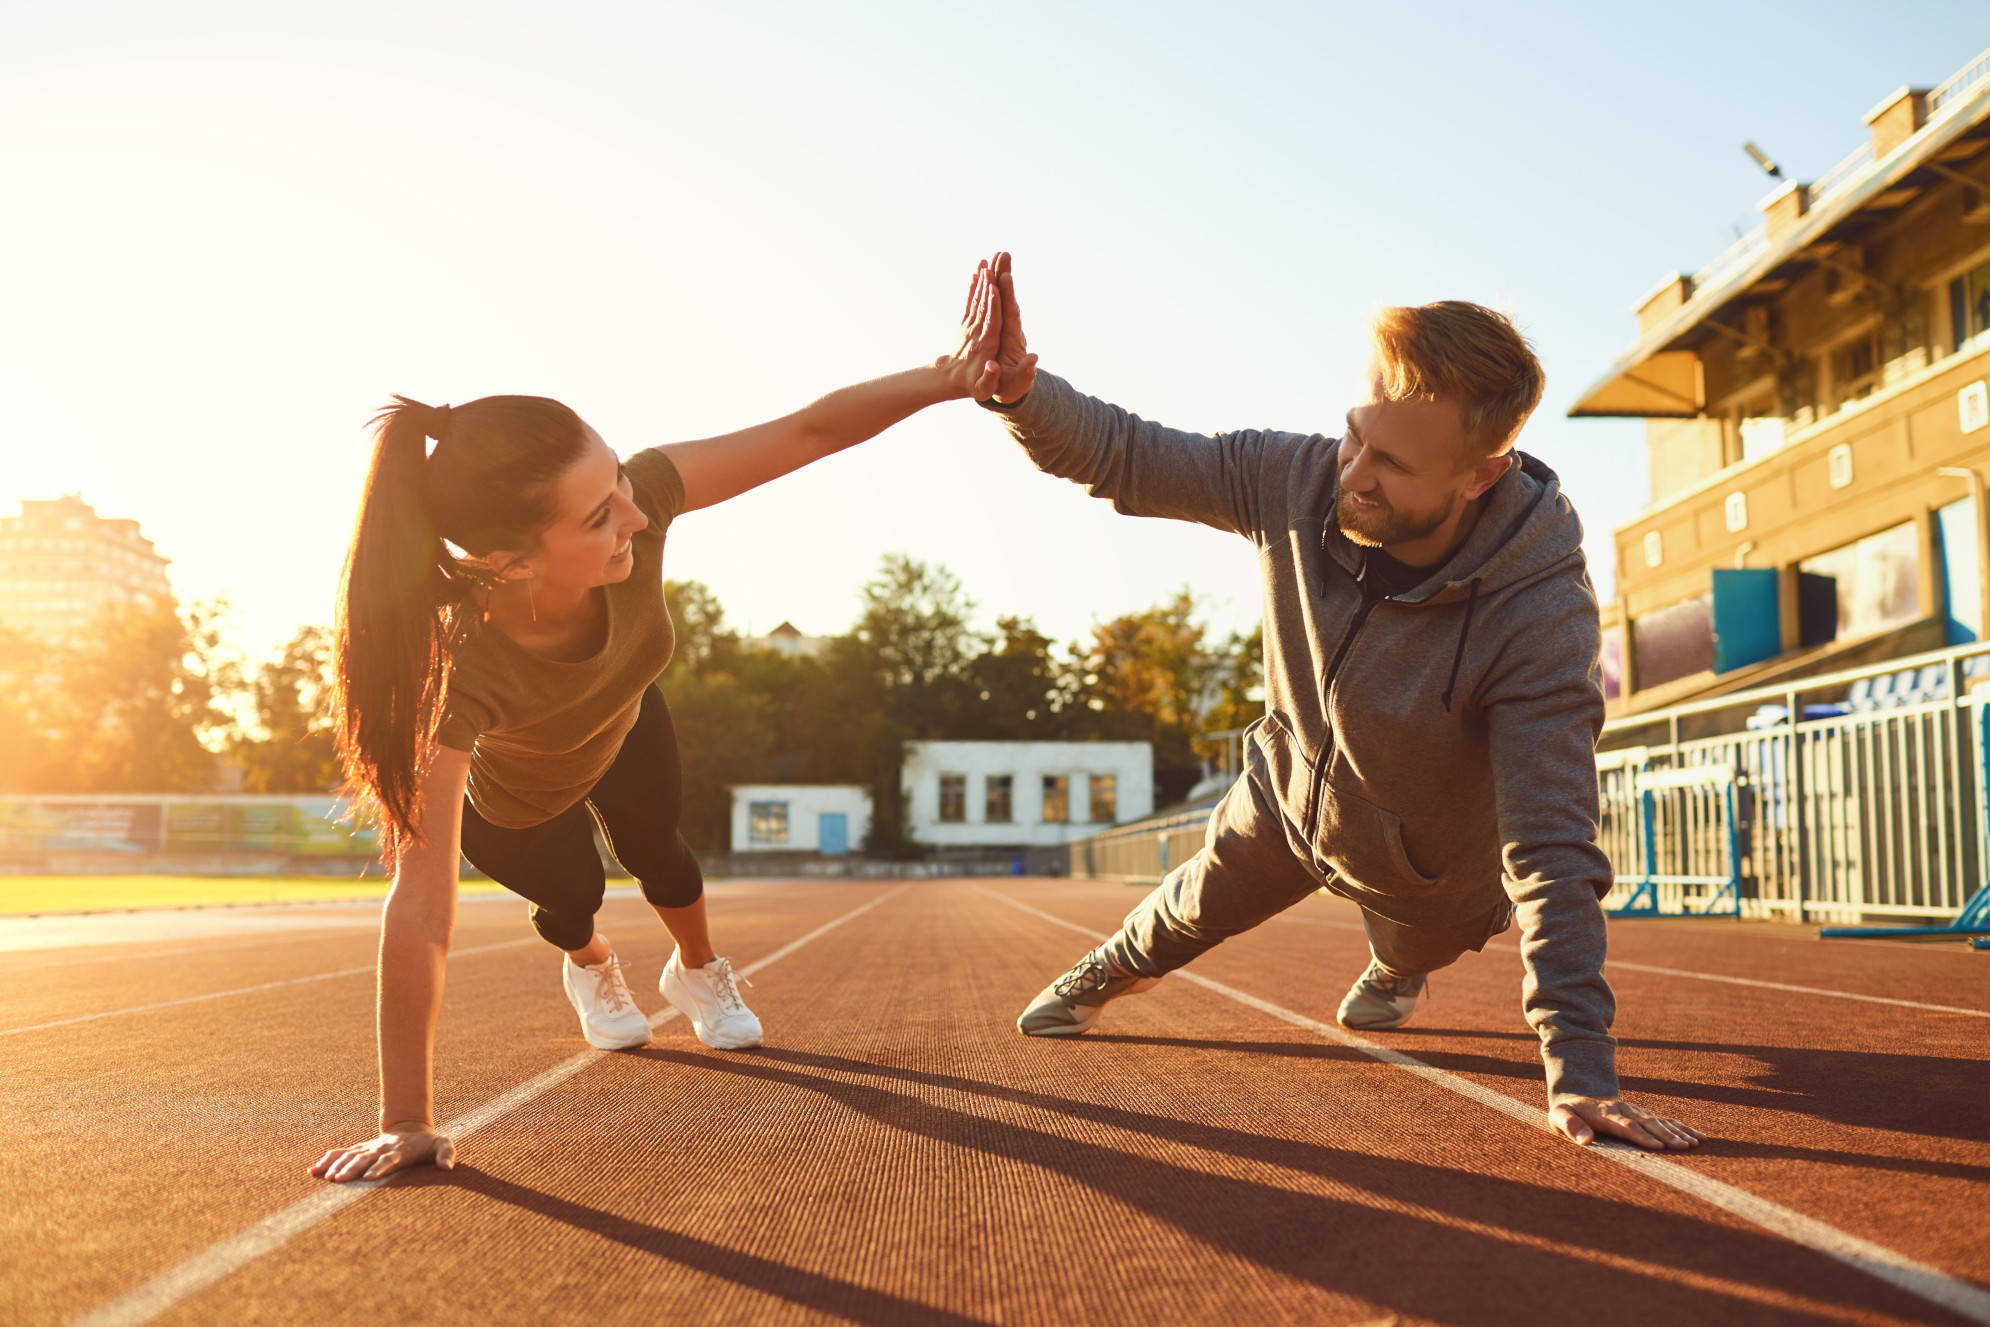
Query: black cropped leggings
x=636 y=803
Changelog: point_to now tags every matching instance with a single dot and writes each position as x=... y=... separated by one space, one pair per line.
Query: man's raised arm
x=1232 y=481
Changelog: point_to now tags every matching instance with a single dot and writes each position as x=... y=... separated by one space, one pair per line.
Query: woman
x=516 y=663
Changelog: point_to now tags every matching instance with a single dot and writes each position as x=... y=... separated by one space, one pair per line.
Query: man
x=1431 y=689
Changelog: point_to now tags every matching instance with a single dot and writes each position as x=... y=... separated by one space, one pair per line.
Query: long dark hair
x=408 y=599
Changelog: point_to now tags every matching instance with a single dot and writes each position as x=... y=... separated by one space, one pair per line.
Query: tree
x=1237 y=696
x=1150 y=677
x=134 y=705
x=914 y=623
x=24 y=665
x=292 y=750
x=702 y=640
x=1021 y=690
x=723 y=738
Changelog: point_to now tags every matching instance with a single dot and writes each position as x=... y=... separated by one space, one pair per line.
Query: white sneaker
x=1380 y=999
x=609 y=1018
x=709 y=997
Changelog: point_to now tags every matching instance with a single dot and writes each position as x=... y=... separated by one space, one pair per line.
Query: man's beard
x=1381 y=527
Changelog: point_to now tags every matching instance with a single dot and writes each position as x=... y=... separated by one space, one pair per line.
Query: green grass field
x=90 y=893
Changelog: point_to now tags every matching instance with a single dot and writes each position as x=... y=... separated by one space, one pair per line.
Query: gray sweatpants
x=1244 y=874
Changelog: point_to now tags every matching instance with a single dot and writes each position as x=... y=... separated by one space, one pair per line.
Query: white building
x=1016 y=794
x=829 y=818
x=787 y=639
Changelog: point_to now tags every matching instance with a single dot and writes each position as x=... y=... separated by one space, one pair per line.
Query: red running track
x=897 y=1154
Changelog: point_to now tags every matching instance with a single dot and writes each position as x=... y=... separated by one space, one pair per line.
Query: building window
x=1969 y=305
x=1840 y=463
x=953 y=798
x=1613 y=663
x=1000 y=787
x=1105 y=799
x=1864 y=587
x=1736 y=512
x=1056 y=799
x=767 y=822
x=1673 y=642
x=1760 y=435
x=1855 y=368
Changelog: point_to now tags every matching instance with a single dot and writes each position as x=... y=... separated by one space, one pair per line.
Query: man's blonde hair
x=1466 y=353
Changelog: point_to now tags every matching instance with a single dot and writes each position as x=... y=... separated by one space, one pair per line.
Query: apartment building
x=62 y=566
x=1817 y=423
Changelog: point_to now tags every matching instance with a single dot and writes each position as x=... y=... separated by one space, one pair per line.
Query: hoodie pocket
x=1363 y=843
x=1346 y=834
x=1287 y=771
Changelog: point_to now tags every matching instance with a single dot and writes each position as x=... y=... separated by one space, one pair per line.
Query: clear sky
x=233 y=229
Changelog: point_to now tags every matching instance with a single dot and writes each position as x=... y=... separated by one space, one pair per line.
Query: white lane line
x=243 y=990
x=1896 y=1269
x=204 y=1269
x=1784 y=986
x=223 y=926
x=1714 y=976
x=27 y=969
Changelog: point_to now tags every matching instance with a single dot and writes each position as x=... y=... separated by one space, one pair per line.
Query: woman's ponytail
x=407 y=600
x=400 y=604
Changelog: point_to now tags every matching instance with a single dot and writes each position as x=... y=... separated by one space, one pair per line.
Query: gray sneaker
x=1380 y=999
x=1071 y=1004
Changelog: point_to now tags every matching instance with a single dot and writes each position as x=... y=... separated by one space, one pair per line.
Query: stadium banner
x=263 y=826
x=81 y=825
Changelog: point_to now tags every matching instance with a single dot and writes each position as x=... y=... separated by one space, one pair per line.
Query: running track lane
x=898 y=1154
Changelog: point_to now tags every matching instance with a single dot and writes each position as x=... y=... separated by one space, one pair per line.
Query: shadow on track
x=824 y=1294
x=1937 y=1096
x=1371 y=1249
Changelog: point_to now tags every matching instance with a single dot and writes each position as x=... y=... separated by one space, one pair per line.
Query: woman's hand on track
x=395 y=1149
x=1581 y=1119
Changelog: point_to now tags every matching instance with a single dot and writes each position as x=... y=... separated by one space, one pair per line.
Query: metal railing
x=1953 y=93
x=1873 y=812
x=1958 y=87
x=1143 y=850
x=1731 y=260
x=1842 y=174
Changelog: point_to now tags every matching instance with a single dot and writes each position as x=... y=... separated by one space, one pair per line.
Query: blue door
x=1747 y=623
x=1956 y=562
x=835 y=838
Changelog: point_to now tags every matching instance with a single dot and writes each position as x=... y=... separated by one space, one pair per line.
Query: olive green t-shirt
x=540 y=732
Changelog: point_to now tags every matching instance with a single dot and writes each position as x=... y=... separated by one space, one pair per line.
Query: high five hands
x=1012 y=356
x=992 y=359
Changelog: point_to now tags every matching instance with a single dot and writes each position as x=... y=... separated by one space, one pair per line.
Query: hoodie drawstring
x=1464 y=630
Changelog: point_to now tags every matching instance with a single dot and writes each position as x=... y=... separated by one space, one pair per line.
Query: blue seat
x=1768 y=716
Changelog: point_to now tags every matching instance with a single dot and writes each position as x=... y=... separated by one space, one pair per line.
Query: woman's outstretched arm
x=415 y=929
x=714 y=469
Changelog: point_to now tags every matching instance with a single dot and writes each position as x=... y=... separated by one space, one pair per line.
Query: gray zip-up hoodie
x=1431 y=746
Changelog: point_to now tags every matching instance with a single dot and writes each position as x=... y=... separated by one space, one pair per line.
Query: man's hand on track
x=377 y=1158
x=1581 y=1119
